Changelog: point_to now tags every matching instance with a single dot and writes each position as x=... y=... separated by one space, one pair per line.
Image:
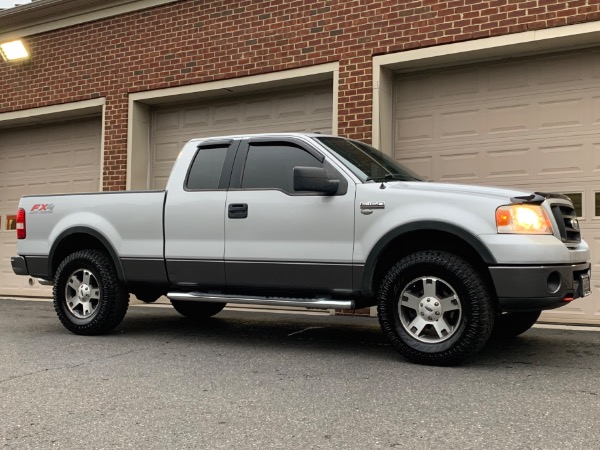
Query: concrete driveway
x=280 y=381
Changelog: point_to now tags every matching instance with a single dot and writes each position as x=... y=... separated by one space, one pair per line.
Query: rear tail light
x=21 y=229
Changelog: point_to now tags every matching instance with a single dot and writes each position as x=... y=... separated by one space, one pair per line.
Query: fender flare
x=95 y=234
x=425 y=225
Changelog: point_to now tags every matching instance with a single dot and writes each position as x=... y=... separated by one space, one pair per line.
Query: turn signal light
x=21 y=229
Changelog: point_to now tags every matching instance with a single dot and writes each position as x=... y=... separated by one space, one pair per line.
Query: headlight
x=526 y=219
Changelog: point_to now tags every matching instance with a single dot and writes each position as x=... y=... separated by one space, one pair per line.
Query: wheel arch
x=80 y=238
x=423 y=235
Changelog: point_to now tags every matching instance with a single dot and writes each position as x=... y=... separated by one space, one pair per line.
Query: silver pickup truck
x=314 y=221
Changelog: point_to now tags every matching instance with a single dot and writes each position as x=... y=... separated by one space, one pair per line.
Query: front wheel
x=435 y=308
x=197 y=310
x=88 y=296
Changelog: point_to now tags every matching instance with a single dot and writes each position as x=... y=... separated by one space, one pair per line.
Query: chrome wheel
x=82 y=294
x=429 y=309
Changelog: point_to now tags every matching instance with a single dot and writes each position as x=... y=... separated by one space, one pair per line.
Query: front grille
x=566 y=218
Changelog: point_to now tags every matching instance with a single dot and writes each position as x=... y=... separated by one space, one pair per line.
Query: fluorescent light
x=14 y=50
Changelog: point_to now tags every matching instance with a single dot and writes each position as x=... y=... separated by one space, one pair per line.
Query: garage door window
x=11 y=223
x=577 y=199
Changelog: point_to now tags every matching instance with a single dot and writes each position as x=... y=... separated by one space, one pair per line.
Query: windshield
x=366 y=162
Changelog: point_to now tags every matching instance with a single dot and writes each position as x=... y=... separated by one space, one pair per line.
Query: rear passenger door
x=194 y=217
x=278 y=238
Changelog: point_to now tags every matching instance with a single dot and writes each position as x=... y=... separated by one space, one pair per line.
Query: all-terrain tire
x=510 y=325
x=435 y=308
x=197 y=310
x=89 y=299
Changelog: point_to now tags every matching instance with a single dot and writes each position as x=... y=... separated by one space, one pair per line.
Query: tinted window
x=206 y=168
x=366 y=162
x=272 y=166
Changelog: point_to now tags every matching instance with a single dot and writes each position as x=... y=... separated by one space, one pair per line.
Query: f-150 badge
x=368 y=207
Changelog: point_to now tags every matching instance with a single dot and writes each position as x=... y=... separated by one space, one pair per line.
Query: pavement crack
x=305 y=329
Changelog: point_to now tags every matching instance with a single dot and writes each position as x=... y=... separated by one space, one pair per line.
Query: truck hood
x=503 y=194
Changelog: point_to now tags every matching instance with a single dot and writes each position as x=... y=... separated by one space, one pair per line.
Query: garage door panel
x=563 y=68
x=501 y=163
x=460 y=124
x=292 y=106
x=561 y=160
x=414 y=129
x=321 y=103
x=85 y=158
x=61 y=160
x=562 y=113
x=195 y=117
x=47 y=159
x=259 y=110
x=508 y=77
x=458 y=83
x=226 y=114
x=12 y=194
x=301 y=109
x=166 y=120
x=531 y=124
x=508 y=118
x=15 y=164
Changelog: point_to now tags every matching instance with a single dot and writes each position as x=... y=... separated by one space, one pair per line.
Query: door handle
x=237 y=210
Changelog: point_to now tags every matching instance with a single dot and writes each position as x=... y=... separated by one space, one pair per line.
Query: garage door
x=301 y=109
x=531 y=123
x=48 y=159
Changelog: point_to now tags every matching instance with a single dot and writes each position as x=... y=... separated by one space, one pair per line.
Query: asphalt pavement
x=246 y=380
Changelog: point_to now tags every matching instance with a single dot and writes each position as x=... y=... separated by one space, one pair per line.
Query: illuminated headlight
x=523 y=219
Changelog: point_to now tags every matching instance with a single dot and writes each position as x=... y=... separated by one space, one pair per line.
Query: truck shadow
x=355 y=336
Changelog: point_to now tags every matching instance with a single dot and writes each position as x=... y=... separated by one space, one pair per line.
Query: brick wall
x=198 y=41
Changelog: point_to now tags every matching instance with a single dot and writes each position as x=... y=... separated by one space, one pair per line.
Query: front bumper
x=534 y=288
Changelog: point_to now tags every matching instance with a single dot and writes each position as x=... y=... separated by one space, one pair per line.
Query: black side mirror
x=314 y=179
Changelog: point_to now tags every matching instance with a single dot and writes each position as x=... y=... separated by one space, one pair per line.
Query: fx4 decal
x=42 y=208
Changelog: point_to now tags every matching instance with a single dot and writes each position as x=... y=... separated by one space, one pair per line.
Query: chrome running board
x=323 y=303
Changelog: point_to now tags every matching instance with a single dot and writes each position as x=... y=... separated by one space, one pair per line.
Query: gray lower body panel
x=531 y=288
x=289 y=276
x=144 y=270
x=195 y=272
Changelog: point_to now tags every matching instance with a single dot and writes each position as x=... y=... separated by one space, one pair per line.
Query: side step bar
x=323 y=303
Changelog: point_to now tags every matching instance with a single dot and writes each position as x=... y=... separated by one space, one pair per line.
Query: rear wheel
x=197 y=310
x=509 y=325
x=435 y=308
x=88 y=296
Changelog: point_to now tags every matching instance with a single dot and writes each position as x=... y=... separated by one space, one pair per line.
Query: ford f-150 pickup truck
x=315 y=221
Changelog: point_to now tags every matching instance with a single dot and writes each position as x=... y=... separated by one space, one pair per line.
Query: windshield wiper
x=393 y=176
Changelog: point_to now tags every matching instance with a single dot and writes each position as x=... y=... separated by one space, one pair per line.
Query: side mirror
x=314 y=179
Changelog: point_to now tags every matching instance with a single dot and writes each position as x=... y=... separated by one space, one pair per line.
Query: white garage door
x=49 y=159
x=301 y=109
x=531 y=123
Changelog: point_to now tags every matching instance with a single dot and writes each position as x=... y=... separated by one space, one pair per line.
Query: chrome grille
x=568 y=226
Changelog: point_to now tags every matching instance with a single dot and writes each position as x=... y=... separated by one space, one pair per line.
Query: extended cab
x=316 y=221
